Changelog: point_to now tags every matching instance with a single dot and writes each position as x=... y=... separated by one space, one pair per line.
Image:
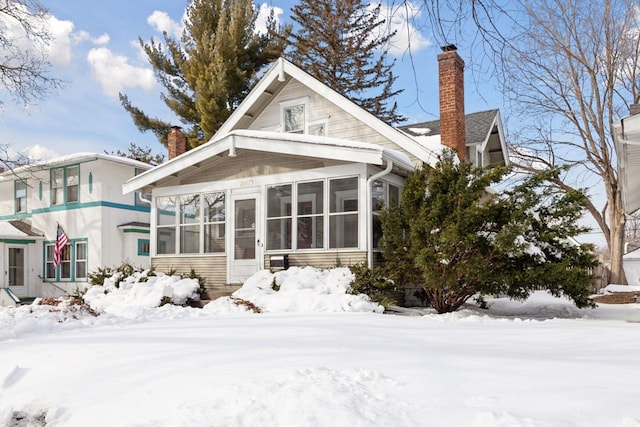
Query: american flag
x=61 y=241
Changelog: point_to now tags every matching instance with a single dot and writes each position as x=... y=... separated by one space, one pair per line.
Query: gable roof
x=277 y=77
x=479 y=128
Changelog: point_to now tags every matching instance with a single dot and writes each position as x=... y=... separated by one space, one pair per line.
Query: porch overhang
x=312 y=146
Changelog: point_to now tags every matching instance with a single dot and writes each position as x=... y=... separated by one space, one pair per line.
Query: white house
x=297 y=175
x=83 y=194
x=627 y=142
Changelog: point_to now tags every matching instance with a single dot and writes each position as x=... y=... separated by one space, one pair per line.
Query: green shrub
x=375 y=285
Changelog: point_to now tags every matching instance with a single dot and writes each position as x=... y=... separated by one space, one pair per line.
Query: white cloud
x=114 y=73
x=407 y=35
x=102 y=40
x=40 y=153
x=162 y=22
x=263 y=15
x=57 y=49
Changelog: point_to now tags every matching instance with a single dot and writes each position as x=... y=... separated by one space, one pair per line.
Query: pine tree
x=342 y=44
x=462 y=242
x=210 y=70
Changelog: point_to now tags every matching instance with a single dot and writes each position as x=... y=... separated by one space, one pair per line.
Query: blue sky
x=96 y=51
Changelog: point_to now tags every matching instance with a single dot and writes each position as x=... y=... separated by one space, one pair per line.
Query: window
x=214 y=222
x=293 y=118
x=343 y=213
x=196 y=221
x=21 y=196
x=279 y=218
x=190 y=224
x=65 y=185
x=81 y=260
x=310 y=220
x=73 y=265
x=383 y=195
x=166 y=225
x=318 y=128
x=144 y=247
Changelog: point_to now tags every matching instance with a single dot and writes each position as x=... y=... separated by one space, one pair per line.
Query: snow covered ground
x=315 y=356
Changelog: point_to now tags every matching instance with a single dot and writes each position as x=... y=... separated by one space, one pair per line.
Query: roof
x=274 y=142
x=478 y=126
x=77 y=158
x=18 y=229
x=627 y=141
x=283 y=71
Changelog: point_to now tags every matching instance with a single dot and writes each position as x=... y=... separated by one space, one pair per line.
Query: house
x=627 y=144
x=82 y=193
x=297 y=176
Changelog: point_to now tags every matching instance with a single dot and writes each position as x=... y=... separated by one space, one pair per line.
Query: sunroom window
x=343 y=213
x=310 y=221
x=279 y=219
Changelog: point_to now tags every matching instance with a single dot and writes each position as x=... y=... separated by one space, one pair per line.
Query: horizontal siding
x=340 y=123
x=213 y=269
x=249 y=163
x=323 y=259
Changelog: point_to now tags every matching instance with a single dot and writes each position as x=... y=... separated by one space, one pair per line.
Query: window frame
x=65 y=187
x=70 y=252
x=292 y=103
x=19 y=201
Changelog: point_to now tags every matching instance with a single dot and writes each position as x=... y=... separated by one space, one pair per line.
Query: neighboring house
x=297 y=176
x=83 y=194
x=627 y=142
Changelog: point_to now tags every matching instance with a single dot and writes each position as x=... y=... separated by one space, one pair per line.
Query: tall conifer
x=343 y=43
x=210 y=70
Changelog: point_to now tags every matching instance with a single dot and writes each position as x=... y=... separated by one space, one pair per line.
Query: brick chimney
x=176 y=142
x=451 y=78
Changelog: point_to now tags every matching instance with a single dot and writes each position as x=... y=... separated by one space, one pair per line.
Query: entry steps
x=9 y=298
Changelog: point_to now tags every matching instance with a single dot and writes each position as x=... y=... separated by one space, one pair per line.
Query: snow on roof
x=76 y=158
x=15 y=230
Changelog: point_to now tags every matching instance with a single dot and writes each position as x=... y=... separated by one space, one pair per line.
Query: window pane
x=377 y=230
x=73 y=181
x=310 y=198
x=190 y=209
x=317 y=129
x=343 y=231
x=190 y=239
x=81 y=270
x=279 y=201
x=57 y=186
x=279 y=234
x=294 y=119
x=394 y=196
x=81 y=251
x=344 y=195
x=166 y=239
x=214 y=238
x=50 y=272
x=21 y=196
x=214 y=207
x=310 y=232
x=65 y=265
x=377 y=195
x=166 y=208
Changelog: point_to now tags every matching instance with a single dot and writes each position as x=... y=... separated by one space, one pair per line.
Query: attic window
x=294 y=115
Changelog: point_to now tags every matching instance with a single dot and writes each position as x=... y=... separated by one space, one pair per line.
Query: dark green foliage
x=210 y=70
x=339 y=42
x=461 y=241
x=375 y=285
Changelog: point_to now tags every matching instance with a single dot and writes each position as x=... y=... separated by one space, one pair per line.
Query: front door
x=16 y=269
x=246 y=253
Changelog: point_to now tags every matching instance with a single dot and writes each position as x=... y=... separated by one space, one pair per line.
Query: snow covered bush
x=455 y=240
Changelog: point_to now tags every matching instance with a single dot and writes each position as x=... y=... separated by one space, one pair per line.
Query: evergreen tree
x=210 y=70
x=341 y=43
x=141 y=154
x=462 y=242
